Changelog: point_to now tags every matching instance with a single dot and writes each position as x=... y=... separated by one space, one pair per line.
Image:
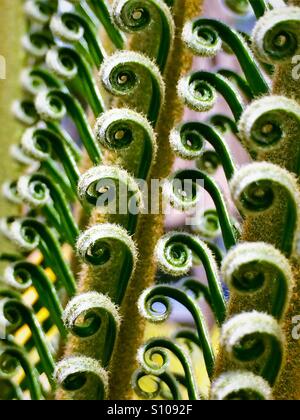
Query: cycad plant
x=88 y=263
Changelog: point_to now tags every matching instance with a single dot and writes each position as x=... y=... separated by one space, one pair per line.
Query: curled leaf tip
x=73 y=373
x=95 y=245
x=240 y=385
x=89 y=307
x=276 y=35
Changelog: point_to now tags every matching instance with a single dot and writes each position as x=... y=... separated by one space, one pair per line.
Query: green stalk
x=260 y=7
x=15 y=307
x=102 y=10
x=160 y=293
x=32 y=378
x=195 y=175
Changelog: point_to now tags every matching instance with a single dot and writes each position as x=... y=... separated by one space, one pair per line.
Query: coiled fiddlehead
x=209 y=162
x=84 y=316
x=104 y=242
x=276 y=35
x=271 y=125
x=157 y=382
x=205 y=36
x=126 y=71
x=40 y=11
x=174 y=254
x=133 y=15
x=43 y=144
x=37 y=190
x=253 y=336
x=199 y=92
x=68 y=64
x=30 y=234
x=75 y=373
x=113 y=190
x=11 y=357
x=15 y=313
x=35 y=79
x=73 y=28
x=38 y=196
x=53 y=105
x=10 y=192
x=187 y=140
x=18 y=155
x=25 y=112
x=161 y=295
x=240 y=385
x=159 y=346
x=37 y=43
x=183 y=191
x=23 y=274
x=255 y=189
x=208 y=225
x=5 y=225
x=122 y=130
x=253 y=267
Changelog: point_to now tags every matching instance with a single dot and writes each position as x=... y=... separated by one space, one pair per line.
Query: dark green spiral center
x=211 y=221
x=39 y=190
x=192 y=140
x=280 y=43
x=88 y=326
x=29 y=109
x=38 y=41
x=29 y=234
x=249 y=277
x=135 y=16
x=8 y=364
x=207 y=36
x=71 y=23
x=43 y=144
x=267 y=130
x=209 y=162
x=56 y=104
x=13 y=315
x=244 y=395
x=250 y=348
x=259 y=196
x=202 y=91
x=67 y=61
x=22 y=276
x=177 y=254
x=45 y=8
x=37 y=82
x=74 y=382
x=99 y=253
x=13 y=188
x=123 y=79
x=119 y=136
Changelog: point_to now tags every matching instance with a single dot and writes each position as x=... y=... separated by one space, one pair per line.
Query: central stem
x=11 y=58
